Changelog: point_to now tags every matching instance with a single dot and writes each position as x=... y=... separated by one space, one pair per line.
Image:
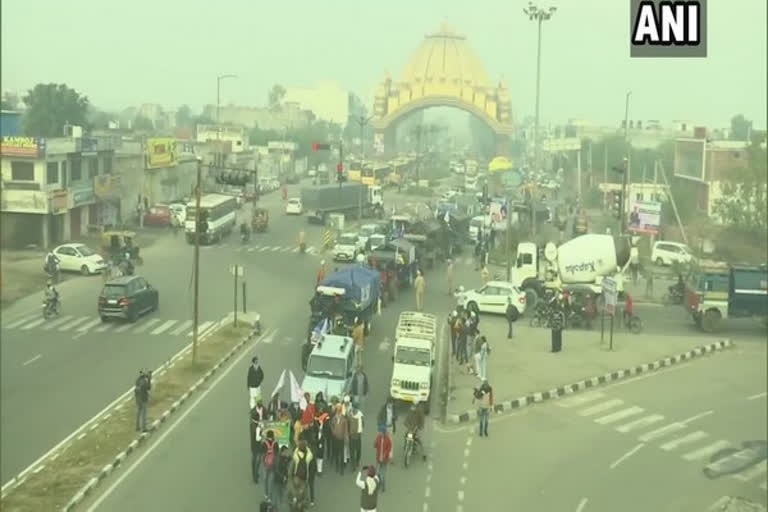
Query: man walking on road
x=320 y=273
x=339 y=430
x=369 y=484
x=255 y=377
x=483 y=395
x=383 y=447
x=418 y=284
x=355 y=434
x=358 y=337
x=511 y=315
x=141 y=394
x=449 y=274
x=359 y=386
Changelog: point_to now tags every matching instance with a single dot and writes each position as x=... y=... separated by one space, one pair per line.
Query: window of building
x=107 y=164
x=52 y=174
x=76 y=172
x=64 y=175
x=93 y=167
x=639 y=196
x=23 y=171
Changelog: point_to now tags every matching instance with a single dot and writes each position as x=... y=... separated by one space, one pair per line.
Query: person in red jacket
x=383 y=446
x=629 y=307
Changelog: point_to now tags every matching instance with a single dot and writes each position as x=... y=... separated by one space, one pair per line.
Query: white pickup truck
x=414 y=357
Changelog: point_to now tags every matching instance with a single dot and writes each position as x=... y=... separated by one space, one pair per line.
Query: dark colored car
x=158 y=215
x=127 y=297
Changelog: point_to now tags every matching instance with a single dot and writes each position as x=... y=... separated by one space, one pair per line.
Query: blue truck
x=348 y=293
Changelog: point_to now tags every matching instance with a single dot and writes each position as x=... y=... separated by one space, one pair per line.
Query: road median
x=63 y=481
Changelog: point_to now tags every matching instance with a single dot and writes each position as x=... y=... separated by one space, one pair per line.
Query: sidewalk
x=525 y=365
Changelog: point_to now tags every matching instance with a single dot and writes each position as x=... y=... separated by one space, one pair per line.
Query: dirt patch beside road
x=60 y=479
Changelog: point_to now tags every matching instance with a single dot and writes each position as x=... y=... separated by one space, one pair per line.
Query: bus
x=221 y=217
x=376 y=174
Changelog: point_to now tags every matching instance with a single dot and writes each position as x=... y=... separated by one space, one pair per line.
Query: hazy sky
x=145 y=51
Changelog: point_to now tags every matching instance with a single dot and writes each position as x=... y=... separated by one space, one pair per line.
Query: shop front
x=79 y=218
x=105 y=212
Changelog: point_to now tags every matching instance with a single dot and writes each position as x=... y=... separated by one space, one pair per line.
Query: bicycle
x=632 y=322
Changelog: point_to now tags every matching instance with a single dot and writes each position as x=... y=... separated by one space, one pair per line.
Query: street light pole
x=539 y=15
x=625 y=177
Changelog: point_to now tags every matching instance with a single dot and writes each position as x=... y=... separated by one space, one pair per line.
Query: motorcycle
x=410 y=445
x=53 y=273
x=674 y=295
x=51 y=308
x=302 y=247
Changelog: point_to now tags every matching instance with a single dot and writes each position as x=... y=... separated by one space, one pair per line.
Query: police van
x=330 y=367
x=414 y=357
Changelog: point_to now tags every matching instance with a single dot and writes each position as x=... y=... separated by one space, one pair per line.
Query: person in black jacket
x=255 y=378
x=282 y=465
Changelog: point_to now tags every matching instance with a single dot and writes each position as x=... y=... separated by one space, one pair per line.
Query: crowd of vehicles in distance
x=714 y=294
x=217 y=215
x=667 y=253
x=373 y=233
x=347 y=247
x=127 y=298
x=346 y=198
x=74 y=257
x=414 y=358
x=330 y=366
x=493 y=297
x=294 y=206
x=477 y=224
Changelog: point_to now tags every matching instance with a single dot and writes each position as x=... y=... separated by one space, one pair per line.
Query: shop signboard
x=161 y=152
x=59 y=201
x=106 y=186
x=82 y=194
x=25 y=147
x=644 y=217
x=24 y=201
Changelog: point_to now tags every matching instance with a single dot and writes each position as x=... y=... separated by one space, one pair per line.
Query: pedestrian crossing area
x=81 y=325
x=679 y=438
x=261 y=249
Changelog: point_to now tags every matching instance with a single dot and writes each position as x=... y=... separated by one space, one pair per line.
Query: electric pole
x=625 y=177
x=218 y=108
x=196 y=311
x=362 y=121
x=539 y=15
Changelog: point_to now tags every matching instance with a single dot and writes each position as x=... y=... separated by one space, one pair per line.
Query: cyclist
x=629 y=308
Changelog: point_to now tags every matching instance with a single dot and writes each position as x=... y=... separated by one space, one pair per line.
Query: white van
x=414 y=357
x=329 y=367
x=667 y=253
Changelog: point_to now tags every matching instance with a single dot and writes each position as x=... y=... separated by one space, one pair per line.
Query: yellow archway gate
x=444 y=71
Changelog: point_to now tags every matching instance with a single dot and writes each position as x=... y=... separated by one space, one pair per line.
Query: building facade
x=236 y=137
x=327 y=100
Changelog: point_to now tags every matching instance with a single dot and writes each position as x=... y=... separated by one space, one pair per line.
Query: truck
x=348 y=293
x=344 y=198
x=584 y=261
x=414 y=358
x=736 y=291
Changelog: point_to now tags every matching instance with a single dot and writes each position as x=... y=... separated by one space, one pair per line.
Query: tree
x=743 y=201
x=740 y=128
x=184 y=116
x=99 y=120
x=275 y=97
x=50 y=107
x=141 y=123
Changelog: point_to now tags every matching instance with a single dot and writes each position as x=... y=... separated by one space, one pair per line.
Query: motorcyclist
x=51 y=295
x=245 y=233
x=677 y=289
x=414 y=423
x=51 y=263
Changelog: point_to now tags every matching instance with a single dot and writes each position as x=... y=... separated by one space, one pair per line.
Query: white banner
x=280 y=384
x=644 y=217
x=297 y=395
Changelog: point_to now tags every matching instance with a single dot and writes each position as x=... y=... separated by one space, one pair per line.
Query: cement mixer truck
x=582 y=261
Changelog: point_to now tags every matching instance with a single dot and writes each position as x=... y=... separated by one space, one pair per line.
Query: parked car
x=127 y=297
x=158 y=215
x=347 y=247
x=667 y=253
x=492 y=298
x=79 y=258
x=294 y=206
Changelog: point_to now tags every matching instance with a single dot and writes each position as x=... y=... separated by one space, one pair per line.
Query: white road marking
x=105 y=326
x=127 y=325
x=616 y=416
x=201 y=328
x=181 y=328
x=22 y=321
x=642 y=422
x=751 y=473
x=262 y=249
x=277 y=248
x=151 y=448
x=580 y=399
x=84 y=328
x=33 y=324
x=626 y=456
x=595 y=409
x=582 y=504
x=167 y=325
x=661 y=432
x=38 y=356
x=57 y=322
x=690 y=438
x=311 y=250
x=146 y=325
x=759 y=395
x=719 y=504
x=703 y=453
x=73 y=323
x=251 y=249
x=698 y=416
x=296 y=249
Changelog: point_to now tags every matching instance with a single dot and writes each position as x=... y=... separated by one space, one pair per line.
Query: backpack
x=269 y=458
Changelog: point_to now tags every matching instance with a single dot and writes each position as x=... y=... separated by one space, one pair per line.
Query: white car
x=294 y=206
x=79 y=258
x=178 y=212
x=367 y=231
x=493 y=297
x=347 y=247
x=667 y=253
x=311 y=173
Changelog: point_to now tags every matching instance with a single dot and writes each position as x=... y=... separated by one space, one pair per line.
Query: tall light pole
x=218 y=108
x=362 y=121
x=539 y=15
x=625 y=177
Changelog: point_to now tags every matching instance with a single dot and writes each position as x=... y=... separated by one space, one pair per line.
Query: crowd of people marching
x=325 y=435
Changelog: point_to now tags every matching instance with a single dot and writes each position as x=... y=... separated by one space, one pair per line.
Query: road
x=58 y=374
x=636 y=446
